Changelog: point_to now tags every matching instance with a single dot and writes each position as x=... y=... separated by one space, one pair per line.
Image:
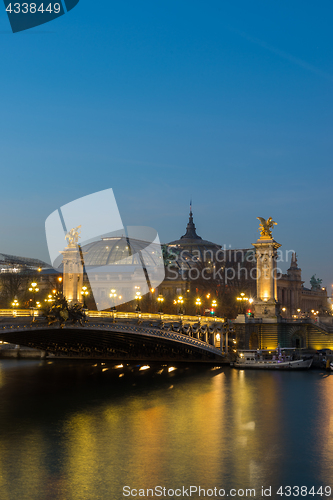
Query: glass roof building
x=120 y=251
x=125 y=266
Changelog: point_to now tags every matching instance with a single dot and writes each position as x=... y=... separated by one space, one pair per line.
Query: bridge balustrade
x=121 y=315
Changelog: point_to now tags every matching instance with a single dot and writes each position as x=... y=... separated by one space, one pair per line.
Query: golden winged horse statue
x=265 y=227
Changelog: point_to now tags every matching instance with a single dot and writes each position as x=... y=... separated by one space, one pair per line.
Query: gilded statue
x=265 y=227
x=73 y=236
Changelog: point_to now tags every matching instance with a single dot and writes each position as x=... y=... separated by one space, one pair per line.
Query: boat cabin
x=264 y=355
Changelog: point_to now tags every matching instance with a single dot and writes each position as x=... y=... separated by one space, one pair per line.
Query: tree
x=13 y=284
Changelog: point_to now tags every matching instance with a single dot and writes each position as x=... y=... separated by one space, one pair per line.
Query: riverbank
x=16 y=351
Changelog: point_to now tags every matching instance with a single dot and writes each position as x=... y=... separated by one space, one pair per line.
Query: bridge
x=125 y=336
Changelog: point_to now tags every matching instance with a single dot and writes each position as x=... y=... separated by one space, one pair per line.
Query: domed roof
x=120 y=250
x=192 y=242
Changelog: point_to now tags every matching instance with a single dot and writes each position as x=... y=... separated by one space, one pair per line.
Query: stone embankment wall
x=15 y=351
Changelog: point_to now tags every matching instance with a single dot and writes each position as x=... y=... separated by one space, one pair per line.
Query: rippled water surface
x=80 y=431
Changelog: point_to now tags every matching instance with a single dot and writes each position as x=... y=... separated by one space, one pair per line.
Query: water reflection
x=78 y=431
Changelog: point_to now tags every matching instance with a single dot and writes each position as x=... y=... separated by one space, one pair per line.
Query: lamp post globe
x=84 y=293
x=138 y=297
x=180 y=301
x=198 y=305
x=160 y=300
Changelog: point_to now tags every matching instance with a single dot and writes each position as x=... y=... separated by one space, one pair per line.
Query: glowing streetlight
x=15 y=305
x=160 y=300
x=180 y=301
x=138 y=297
x=33 y=288
x=241 y=300
x=214 y=306
x=243 y=297
x=113 y=296
x=49 y=298
x=198 y=305
x=84 y=293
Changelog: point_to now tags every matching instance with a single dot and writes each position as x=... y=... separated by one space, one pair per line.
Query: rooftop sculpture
x=73 y=236
x=315 y=283
x=265 y=227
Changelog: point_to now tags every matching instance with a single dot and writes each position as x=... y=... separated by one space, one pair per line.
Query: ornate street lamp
x=198 y=305
x=49 y=299
x=84 y=293
x=214 y=306
x=33 y=289
x=160 y=300
x=113 y=296
x=241 y=299
x=180 y=301
x=15 y=305
x=138 y=297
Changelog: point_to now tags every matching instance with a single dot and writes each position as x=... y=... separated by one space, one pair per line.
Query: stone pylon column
x=72 y=273
x=265 y=304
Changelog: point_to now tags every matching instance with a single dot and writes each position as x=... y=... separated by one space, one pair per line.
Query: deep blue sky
x=228 y=102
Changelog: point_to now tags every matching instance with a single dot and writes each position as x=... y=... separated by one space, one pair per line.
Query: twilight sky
x=227 y=102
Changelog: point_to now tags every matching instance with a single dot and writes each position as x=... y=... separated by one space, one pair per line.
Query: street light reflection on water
x=77 y=431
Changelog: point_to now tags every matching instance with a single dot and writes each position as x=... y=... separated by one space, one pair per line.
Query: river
x=85 y=430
